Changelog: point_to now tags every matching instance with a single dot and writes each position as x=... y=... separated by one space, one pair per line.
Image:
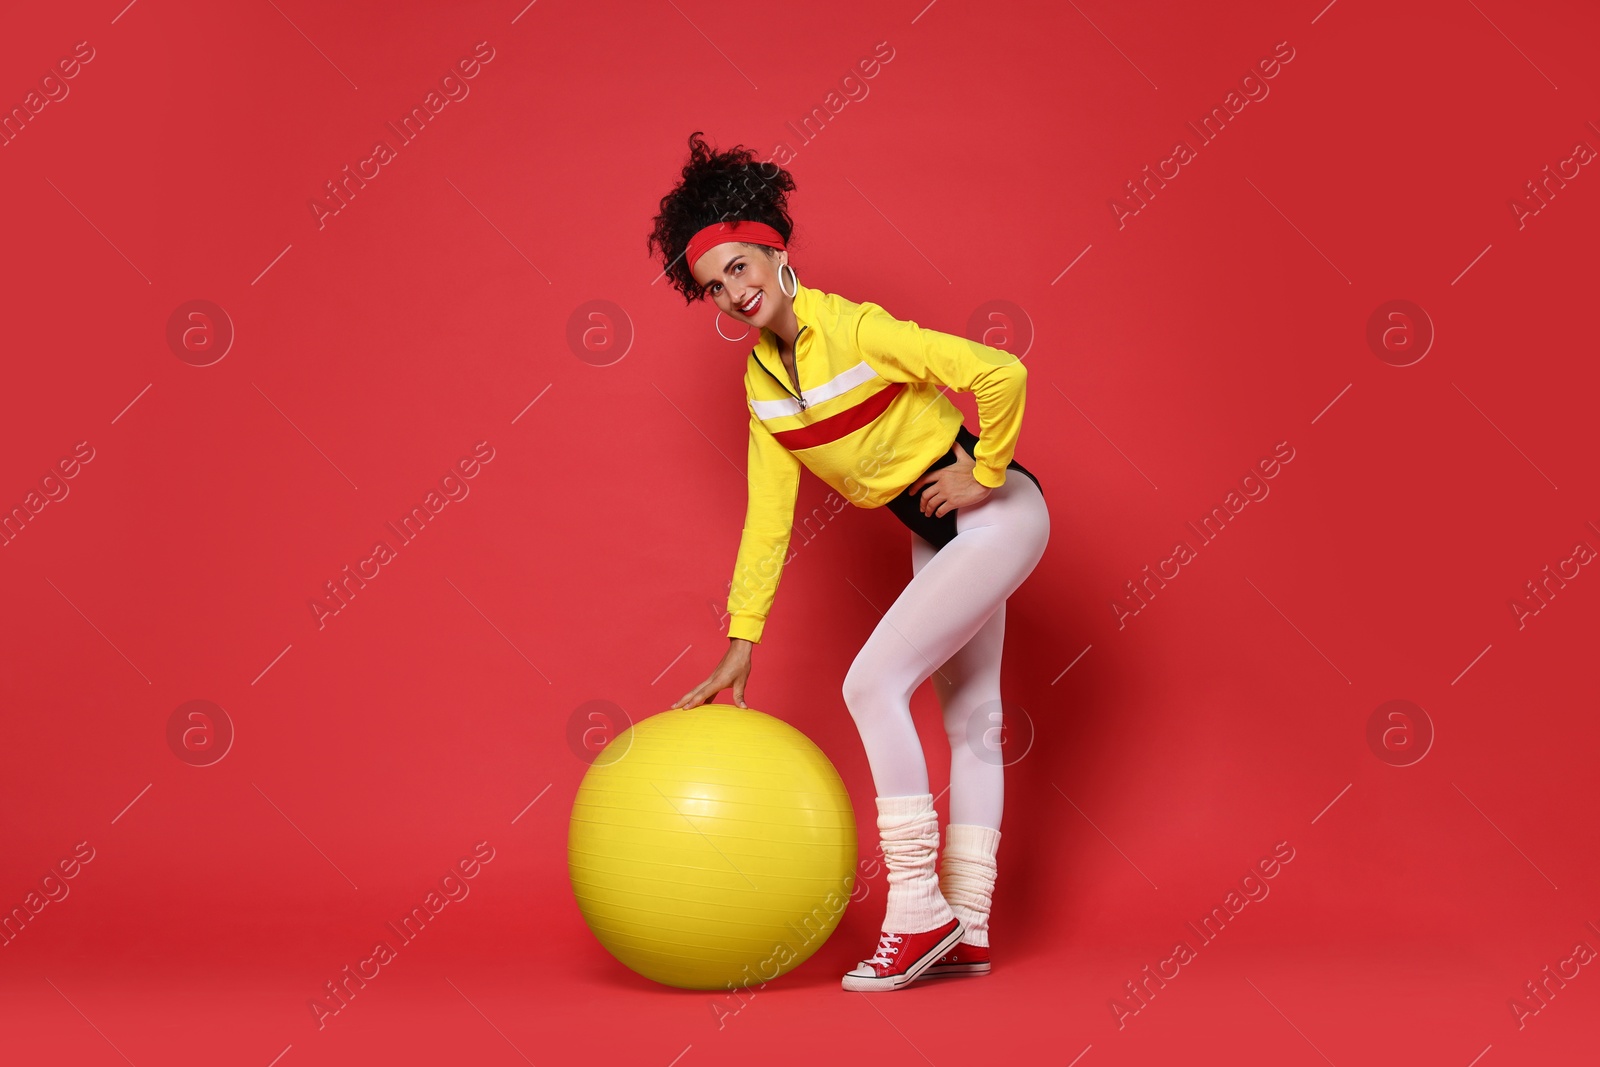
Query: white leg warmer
x=909 y=829
x=967 y=874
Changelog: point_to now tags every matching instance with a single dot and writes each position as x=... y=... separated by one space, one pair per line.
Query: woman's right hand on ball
x=733 y=671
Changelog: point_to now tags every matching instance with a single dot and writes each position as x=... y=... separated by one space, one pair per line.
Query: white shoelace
x=888 y=945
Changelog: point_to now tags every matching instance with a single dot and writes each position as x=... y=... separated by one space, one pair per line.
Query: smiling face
x=743 y=281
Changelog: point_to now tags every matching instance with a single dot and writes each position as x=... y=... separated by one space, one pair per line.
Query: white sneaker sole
x=955 y=970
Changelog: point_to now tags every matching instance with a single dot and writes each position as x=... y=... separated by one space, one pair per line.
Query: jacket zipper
x=798 y=396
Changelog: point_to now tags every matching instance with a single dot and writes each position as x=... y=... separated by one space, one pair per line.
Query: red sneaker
x=902 y=957
x=963 y=959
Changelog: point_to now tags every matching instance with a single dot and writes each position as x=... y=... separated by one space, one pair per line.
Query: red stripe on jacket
x=844 y=423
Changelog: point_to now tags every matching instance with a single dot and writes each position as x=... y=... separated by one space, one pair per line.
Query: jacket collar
x=766 y=350
x=805 y=308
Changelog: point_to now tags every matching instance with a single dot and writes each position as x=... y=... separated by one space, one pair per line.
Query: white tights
x=949 y=622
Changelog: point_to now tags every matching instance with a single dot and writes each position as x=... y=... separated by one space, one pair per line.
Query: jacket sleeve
x=774 y=483
x=902 y=351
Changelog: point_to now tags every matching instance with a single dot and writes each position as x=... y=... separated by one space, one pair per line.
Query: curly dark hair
x=717 y=187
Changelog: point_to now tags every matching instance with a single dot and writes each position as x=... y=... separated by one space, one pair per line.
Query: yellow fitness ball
x=712 y=847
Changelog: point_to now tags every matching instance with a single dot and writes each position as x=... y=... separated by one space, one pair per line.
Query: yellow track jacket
x=870 y=416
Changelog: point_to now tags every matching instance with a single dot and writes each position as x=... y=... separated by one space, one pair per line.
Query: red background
x=591 y=558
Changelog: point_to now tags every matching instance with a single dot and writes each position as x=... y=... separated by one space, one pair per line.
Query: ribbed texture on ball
x=712 y=847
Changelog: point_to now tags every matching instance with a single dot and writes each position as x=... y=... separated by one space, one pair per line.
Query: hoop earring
x=792 y=275
x=718 y=323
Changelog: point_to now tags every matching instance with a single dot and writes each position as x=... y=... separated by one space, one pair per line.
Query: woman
x=857 y=397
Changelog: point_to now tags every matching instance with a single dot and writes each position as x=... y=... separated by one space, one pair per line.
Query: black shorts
x=940 y=531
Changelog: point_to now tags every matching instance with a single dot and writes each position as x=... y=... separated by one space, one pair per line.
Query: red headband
x=748 y=231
